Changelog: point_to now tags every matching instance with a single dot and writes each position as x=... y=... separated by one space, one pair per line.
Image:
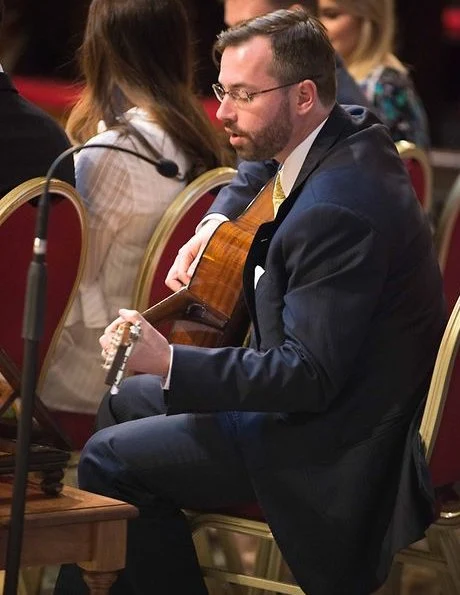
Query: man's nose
x=226 y=110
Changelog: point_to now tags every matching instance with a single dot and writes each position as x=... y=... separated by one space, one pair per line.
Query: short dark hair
x=300 y=45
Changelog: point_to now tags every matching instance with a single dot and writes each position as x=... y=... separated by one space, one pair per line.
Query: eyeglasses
x=241 y=96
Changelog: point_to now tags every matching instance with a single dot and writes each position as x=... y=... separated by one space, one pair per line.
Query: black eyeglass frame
x=241 y=95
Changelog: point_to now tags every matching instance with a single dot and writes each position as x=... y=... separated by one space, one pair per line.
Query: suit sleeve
x=247 y=183
x=326 y=270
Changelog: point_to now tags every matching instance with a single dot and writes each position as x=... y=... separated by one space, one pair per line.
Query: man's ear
x=306 y=96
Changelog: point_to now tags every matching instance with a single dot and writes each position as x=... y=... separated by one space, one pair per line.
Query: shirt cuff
x=211 y=217
x=165 y=382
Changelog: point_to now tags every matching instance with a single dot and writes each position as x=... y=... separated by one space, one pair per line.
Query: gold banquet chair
x=440 y=551
x=447 y=241
x=175 y=228
x=418 y=166
x=67 y=244
x=269 y=574
x=66 y=251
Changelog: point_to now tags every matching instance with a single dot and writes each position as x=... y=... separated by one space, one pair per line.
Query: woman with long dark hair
x=137 y=64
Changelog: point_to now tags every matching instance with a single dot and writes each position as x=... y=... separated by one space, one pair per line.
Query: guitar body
x=210 y=311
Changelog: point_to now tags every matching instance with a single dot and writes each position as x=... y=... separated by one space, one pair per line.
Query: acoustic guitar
x=210 y=310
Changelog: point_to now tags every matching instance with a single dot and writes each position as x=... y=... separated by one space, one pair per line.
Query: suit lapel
x=334 y=128
x=338 y=125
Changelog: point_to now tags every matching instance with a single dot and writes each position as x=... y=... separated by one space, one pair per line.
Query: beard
x=270 y=140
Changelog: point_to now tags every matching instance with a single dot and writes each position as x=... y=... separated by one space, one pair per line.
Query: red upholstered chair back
x=448 y=245
x=419 y=169
x=176 y=227
x=66 y=249
x=439 y=427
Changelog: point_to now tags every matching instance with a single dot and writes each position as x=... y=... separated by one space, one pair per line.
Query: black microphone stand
x=32 y=331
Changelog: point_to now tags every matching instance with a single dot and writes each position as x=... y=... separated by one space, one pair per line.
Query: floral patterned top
x=392 y=93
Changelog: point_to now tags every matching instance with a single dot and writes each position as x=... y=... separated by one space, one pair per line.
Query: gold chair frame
x=447 y=221
x=30 y=578
x=22 y=194
x=444 y=550
x=443 y=554
x=408 y=150
x=186 y=199
x=268 y=563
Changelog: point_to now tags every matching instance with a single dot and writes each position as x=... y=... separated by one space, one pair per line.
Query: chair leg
x=275 y=562
x=268 y=564
x=206 y=555
x=233 y=558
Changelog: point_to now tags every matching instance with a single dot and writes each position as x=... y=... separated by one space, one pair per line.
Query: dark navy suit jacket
x=348 y=317
x=30 y=140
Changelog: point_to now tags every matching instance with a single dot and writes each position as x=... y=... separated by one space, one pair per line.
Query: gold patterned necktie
x=278 y=194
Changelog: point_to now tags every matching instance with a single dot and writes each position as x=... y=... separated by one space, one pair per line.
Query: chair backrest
x=66 y=250
x=419 y=169
x=447 y=241
x=439 y=427
x=175 y=228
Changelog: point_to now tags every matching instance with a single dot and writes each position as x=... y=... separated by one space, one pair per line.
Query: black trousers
x=161 y=464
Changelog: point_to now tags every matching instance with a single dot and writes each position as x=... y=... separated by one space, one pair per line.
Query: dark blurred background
x=41 y=37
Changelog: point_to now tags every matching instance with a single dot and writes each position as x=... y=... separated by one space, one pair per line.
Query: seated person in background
x=252 y=175
x=139 y=96
x=317 y=420
x=30 y=140
x=362 y=32
x=236 y=11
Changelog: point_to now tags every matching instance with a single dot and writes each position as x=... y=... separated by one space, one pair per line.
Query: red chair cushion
x=184 y=229
x=77 y=427
x=16 y=243
x=417 y=177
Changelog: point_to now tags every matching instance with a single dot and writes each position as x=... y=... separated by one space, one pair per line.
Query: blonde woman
x=362 y=32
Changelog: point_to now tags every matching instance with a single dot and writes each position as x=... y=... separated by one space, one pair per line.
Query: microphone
x=165 y=167
x=32 y=331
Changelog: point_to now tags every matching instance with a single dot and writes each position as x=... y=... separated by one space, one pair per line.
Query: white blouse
x=125 y=198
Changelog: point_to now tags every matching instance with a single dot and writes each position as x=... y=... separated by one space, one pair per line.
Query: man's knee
x=139 y=396
x=97 y=464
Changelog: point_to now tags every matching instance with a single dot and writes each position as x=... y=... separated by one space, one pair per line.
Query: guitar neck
x=169 y=308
